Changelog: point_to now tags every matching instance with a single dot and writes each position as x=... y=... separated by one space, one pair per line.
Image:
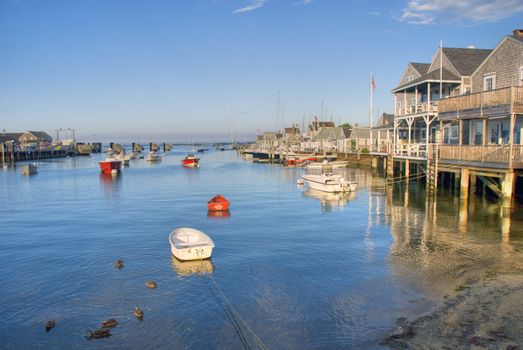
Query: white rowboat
x=190 y=244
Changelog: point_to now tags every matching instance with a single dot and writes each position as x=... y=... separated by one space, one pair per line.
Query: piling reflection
x=328 y=201
x=442 y=243
x=195 y=267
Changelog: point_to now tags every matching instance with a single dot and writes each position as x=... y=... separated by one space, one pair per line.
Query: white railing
x=421 y=108
x=417 y=150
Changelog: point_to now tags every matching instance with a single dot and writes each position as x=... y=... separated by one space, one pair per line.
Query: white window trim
x=520 y=81
x=486 y=77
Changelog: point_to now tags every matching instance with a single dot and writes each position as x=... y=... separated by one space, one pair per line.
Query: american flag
x=372 y=83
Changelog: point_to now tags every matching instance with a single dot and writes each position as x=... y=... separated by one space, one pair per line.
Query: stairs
x=432 y=170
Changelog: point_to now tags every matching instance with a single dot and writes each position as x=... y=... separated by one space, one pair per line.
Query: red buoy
x=218 y=203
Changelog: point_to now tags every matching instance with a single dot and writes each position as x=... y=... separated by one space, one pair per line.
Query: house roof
x=421 y=68
x=10 y=136
x=466 y=60
x=432 y=76
x=39 y=134
x=293 y=130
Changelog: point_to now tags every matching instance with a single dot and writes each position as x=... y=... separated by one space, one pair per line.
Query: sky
x=176 y=70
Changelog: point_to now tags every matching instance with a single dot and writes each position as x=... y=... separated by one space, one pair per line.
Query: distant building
x=35 y=137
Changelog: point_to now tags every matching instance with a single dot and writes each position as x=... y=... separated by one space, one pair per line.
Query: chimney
x=517 y=33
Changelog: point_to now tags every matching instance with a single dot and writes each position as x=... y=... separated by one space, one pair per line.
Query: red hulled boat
x=218 y=203
x=297 y=162
x=110 y=165
x=190 y=161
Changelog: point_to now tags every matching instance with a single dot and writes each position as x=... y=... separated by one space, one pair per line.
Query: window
x=489 y=82
x=520 y=81
x=410 y=78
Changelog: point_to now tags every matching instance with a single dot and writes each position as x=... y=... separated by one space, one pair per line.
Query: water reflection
x=111 y=184
x=444 y=243
x=218 y=214
x=328 y=201
x=195 y=267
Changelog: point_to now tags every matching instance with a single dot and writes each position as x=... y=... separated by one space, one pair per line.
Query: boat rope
x=238 y=323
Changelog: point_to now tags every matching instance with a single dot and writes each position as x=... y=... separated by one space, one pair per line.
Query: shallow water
x=291 y=268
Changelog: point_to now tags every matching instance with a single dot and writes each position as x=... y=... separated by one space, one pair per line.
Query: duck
x=110 y=323
x=50 y=325
x=151 y=284
x=98 y=333
x=118 y=264
x=138 y=313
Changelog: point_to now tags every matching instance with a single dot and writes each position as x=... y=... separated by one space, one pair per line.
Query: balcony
x=512 y=97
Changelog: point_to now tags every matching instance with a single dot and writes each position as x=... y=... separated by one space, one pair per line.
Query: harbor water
x=292 y=268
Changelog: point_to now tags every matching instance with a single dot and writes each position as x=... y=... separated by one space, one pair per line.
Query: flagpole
x=440 y=69
x=371 y=107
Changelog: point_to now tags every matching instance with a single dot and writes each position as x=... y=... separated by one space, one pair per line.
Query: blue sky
x=163 y=69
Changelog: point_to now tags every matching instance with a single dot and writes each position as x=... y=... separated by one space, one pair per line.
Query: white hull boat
x=190 y=244
x=153 y=157
x=328 y=182
x=334 y=165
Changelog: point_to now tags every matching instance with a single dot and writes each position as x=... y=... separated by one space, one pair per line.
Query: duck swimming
x=118 y=264
x=50 y=325
x=151 y=284
x=99 y=333
x=110 y=323
x=138 y=313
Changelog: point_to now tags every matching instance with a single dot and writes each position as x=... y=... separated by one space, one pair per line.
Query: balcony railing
x=475 y=154
x=512 y=96
x=411 y=150
x=421 y=108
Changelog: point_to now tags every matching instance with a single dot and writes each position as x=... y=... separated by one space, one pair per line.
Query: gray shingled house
x=420 y=88
x=490 y=118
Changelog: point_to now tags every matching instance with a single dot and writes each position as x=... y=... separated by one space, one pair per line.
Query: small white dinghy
x=190 y=244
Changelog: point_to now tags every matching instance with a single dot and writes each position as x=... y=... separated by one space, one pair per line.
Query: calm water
x=291 y=269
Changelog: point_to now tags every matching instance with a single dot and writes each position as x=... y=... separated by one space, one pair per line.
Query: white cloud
x=472 y=11
x=375 y=13
x=251 y=7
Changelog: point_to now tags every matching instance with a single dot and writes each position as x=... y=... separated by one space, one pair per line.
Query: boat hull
x=218 y=203
x=329 y=184
x=190 y=244
x=191 y=253
x=107 y=166
x=190 y=163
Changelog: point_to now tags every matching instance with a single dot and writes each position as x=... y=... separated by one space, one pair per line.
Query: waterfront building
x=463 y=116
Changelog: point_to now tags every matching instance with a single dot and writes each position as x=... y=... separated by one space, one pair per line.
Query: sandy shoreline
x=486 y=314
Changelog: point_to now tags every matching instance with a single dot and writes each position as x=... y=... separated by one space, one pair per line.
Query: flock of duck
x=105 y=326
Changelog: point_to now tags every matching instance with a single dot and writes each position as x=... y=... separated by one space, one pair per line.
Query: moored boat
x=110 y=165
x=333 y=164
x=328 y=182
x=218 y=203
x=190 y=244
x=153 y=157
x=190 y=161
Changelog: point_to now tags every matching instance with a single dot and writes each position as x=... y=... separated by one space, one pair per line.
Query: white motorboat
x=328 y=182
x=333 y=164
x=153 y=157
x=124 y=158
x=190 y=244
